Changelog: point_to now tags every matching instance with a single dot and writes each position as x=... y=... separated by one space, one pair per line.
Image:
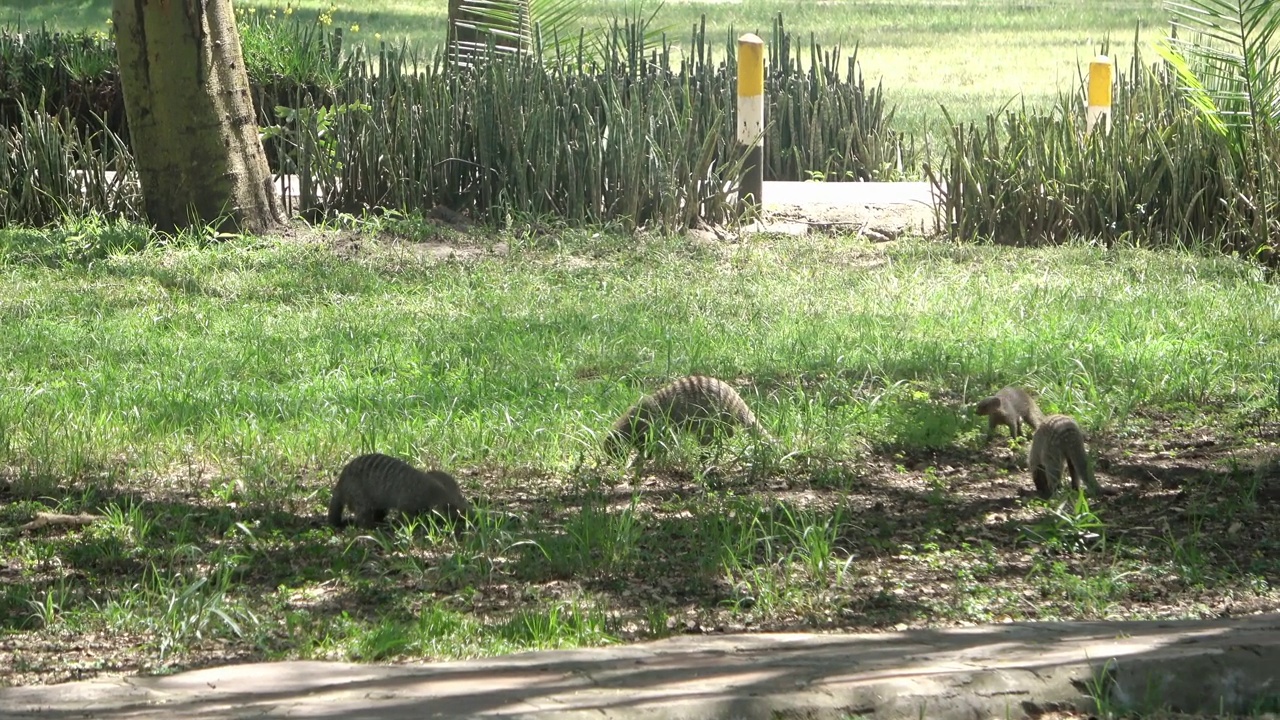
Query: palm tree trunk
x=191 y=116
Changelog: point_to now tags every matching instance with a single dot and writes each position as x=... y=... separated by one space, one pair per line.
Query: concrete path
x=1002 y=671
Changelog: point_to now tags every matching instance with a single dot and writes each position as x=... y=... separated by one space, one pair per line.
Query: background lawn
x=972 y=56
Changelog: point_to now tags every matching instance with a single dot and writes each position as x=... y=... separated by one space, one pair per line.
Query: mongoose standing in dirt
x=372 y=485
x=1011 y=406
x=695 y=403
x=1058 y=439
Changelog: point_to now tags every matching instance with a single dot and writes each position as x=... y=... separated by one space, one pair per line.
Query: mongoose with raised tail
x=372 y=485
x=696 y=403
x=1058 y=439
x=1010 y=406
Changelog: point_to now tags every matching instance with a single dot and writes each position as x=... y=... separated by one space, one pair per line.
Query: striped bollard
x=1099 y=94
x=751 y=118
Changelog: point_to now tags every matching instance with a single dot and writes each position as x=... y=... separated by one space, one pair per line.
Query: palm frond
x=1224 y=51
x=1227 y=63
x=555 y=25
x=1195 y=91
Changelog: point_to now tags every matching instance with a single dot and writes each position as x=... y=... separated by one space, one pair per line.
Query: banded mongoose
x=1058 y=439
x=696 y=403
x=1010 y=406
x=372 y=485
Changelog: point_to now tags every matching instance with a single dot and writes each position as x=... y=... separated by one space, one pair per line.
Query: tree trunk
x=191 y=117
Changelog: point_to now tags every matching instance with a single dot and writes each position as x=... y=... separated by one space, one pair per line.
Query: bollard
x=751 y=118
x=1099 y=94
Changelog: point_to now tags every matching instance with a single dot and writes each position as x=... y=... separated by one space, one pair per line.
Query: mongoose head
x=988 y=405
x=615 y=444
x=620 y=443
x=628 y=432
x=461 y=517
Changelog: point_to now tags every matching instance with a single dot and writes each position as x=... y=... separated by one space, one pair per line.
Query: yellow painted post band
x=1100 y=82
x=1099 y=105
x=750 y=65
x=751 y=120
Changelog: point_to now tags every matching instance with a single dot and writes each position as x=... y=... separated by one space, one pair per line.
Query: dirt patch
x=447 y=245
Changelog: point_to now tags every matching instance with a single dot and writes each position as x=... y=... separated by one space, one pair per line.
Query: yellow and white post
x=1099 y=94
x=751 y=118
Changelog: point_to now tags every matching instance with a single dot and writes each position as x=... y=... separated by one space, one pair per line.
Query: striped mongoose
x=1011 y=406
x=372 y=485
x=696 y=403
x=1058 y=439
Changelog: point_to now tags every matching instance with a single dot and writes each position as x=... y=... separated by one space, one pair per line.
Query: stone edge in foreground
x=990 y=671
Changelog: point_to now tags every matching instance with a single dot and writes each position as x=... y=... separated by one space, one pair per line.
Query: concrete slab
x=1004 y=671
x=776 y=193
x=784 y=194
x=878 y=210
x=883 y=210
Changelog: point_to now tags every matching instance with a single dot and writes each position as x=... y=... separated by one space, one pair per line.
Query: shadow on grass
x=138 y=536
x=1206 y=526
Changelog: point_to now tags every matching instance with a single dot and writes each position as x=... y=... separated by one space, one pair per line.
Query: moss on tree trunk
x=191 y=116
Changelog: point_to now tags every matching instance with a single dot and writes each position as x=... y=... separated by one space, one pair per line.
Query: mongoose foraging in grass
x=695 y=403
x=372 y=485
x=1011 y=406
x=1058 y=439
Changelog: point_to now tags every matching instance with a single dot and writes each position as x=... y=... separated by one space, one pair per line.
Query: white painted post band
x=1099 y=94
x=751 y=118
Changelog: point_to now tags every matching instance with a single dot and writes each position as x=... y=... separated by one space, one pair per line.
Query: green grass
x=517 y=359
x=202 y=398
x=972 y=56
